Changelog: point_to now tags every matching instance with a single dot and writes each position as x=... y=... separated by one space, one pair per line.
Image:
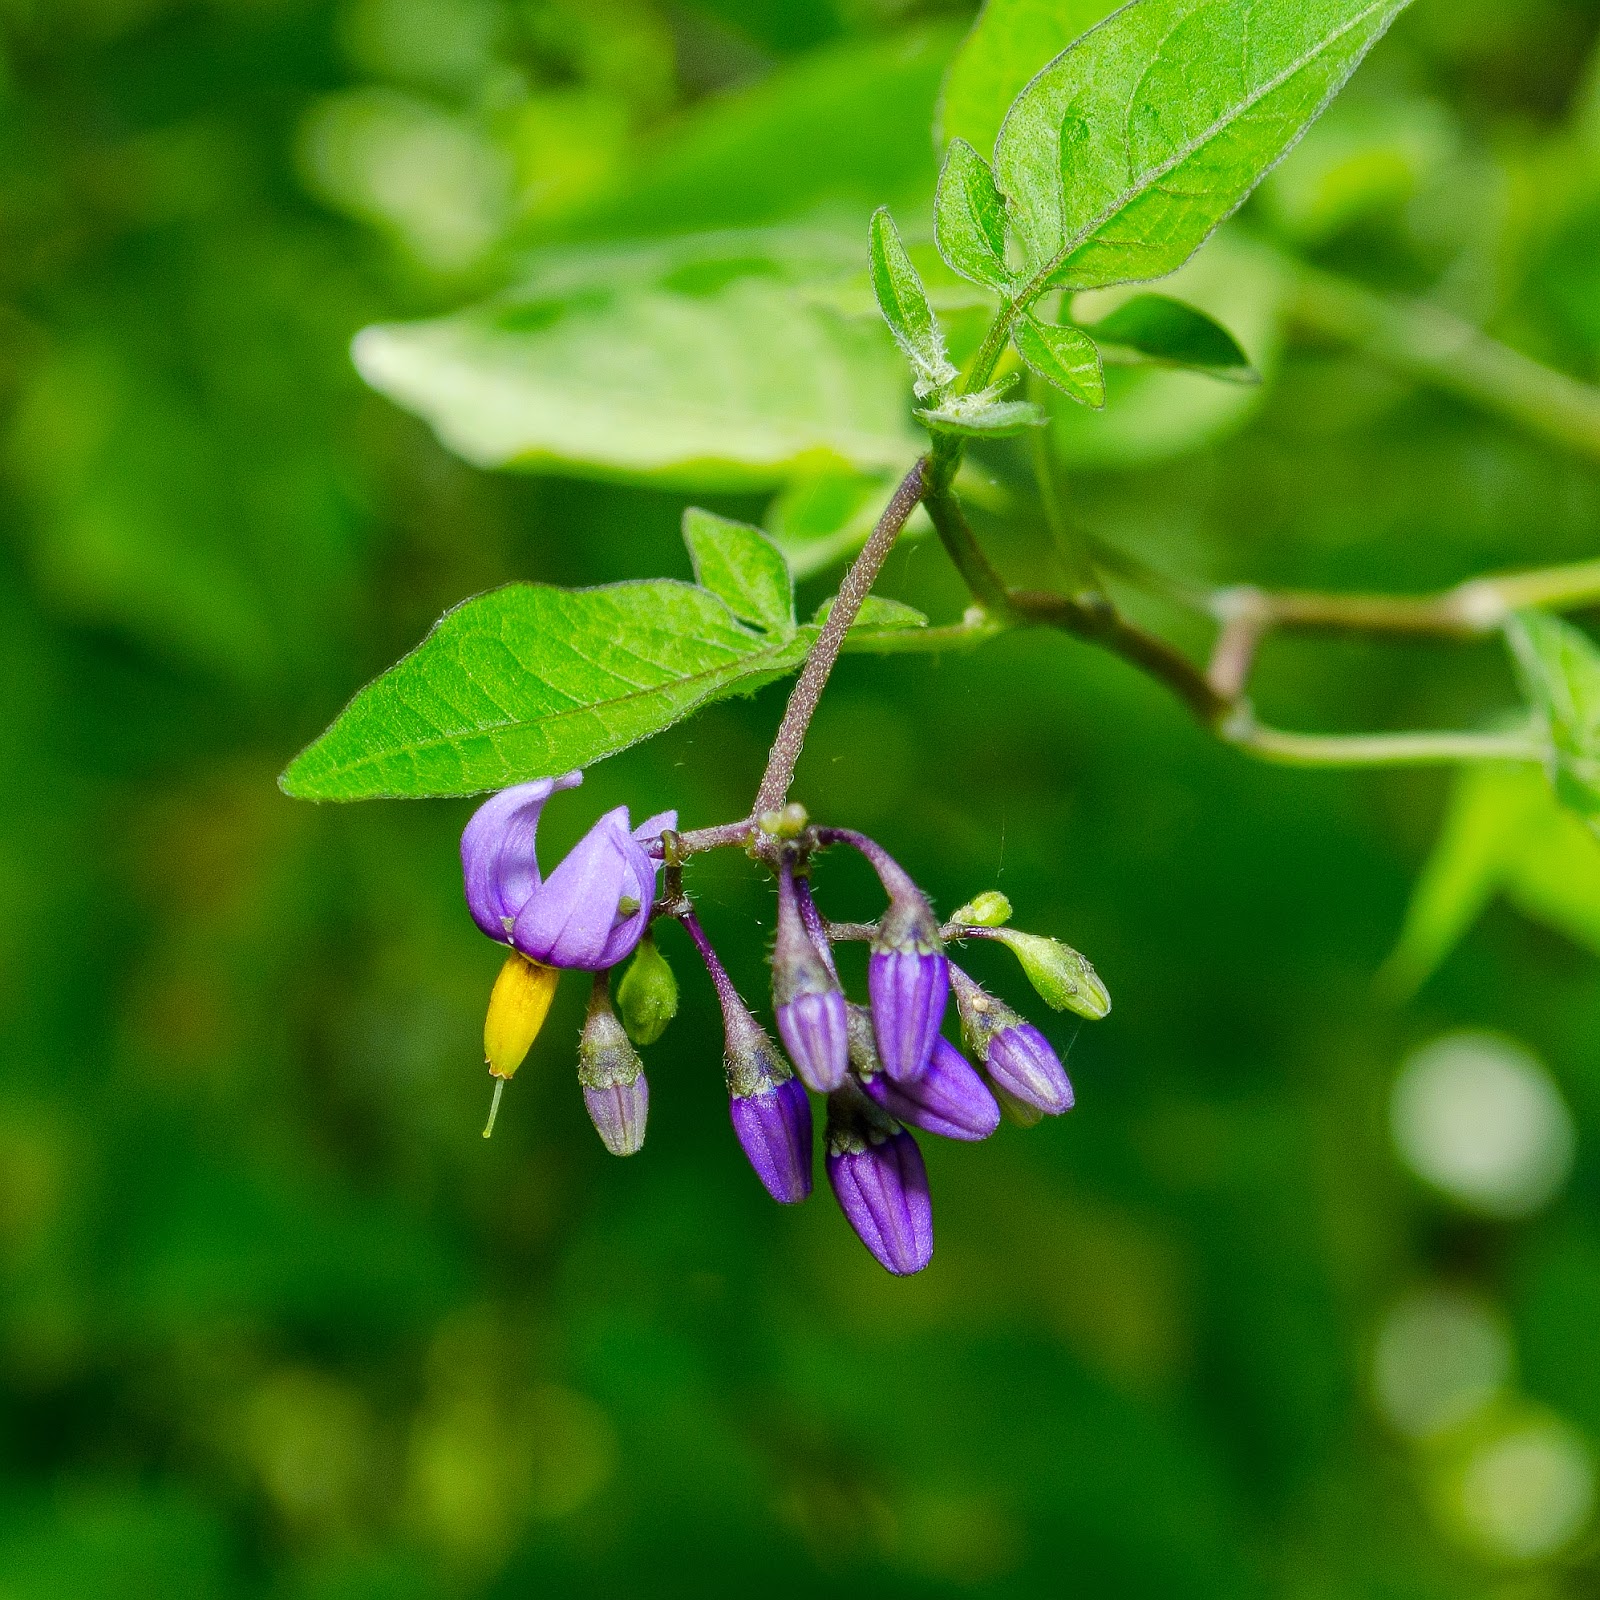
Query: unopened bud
x=789 y=823
x=1064 y=979
x=648 y=994
x=615 y=1090
x=909 y=982
x=806 y=998
x=1018 y=1058
x=518 y=1005
x=880 y=1182
x=990 y=909
x=1018 y=1111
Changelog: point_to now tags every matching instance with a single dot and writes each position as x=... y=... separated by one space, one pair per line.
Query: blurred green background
x=1272 y=1313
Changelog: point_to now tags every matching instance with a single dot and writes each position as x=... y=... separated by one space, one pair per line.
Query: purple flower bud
x=1019 y=1058
x=612 y=1075
x=880 y=1182
x=948 y=1099
x=768 y=1104
x=593 y=909
x=908 y=978
x=806 y=998
x=774 y=1129
x=498 y=859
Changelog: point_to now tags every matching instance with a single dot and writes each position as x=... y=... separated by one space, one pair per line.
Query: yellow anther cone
x=518 y=1006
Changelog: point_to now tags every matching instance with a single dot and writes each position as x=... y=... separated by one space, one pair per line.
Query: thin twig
x=807 y=692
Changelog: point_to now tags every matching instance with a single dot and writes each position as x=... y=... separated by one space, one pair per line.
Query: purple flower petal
x=619 y=1114
x=498 y=860
x=948 y=1099
x=882 y=1188
x=1022 y=1062
x=574 y=918
x=909 y=989
x=815 y=1031
x=774 y=1127
x=653 y=827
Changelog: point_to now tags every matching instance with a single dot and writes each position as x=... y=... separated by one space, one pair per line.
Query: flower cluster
x=885 y=1067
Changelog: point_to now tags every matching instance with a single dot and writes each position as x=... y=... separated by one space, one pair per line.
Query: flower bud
x=612 y=1075
x=1018 y=1111
x=518 y=1005
x=908 y=978
x=1018 y=1058
x=949 y=1098
x=648 y=994
x=990 y=909
x=1064 y=979
x=878 y=1177
x=806 y=998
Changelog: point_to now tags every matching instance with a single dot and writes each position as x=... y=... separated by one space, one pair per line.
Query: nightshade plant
x=1114 y=163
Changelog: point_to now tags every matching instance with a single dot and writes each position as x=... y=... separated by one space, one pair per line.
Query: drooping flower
x=591 y=911
x=615 y=1090
x=908 y=978
x=1016 y=1055
x=806 y=997
x=767 y=1103
x=878 y=1177
x=949 y=1098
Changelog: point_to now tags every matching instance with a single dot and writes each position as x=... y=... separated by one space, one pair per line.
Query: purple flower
x=612 y=1075
x=948 y=1099
x=908 y=978
x=880 y=1182
x=1018 y=1058
x=806 y=998
x=774 y=1129
x=1022 y=1062
x=767 y=1103
x=591 y=911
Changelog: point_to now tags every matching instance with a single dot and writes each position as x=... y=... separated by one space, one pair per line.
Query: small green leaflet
x=1063 y=355
x=904 y=304
x=878 y=613
x=1169 y=333
x=1008 y=44
x=1122 y=155
x=1560 y=671
x=982 y=416
x=969 y=218
x=529 y=681
x=742 y=567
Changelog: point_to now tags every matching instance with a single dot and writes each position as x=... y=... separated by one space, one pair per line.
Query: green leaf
x=697 y=362
x=1008 y=44
x=529 y=681
x=742 y=567
x=1503 y=833
x=877 y=612
x=969 y=218
x=1122 y=156
x=904 y=304
x=982 y=416
x=1173 y=334
x=1064 y=355
x=1560 y=671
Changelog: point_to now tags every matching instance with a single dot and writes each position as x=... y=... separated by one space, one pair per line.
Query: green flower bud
x=648 y=994
x=1064 y=979
x=990 y=909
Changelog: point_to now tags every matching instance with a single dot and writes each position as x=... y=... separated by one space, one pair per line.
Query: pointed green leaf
x=1503 y=833
x=1124 y=154
x=969 y=218
x=1065 y=356
x=742 y=567
x=982 y=416
x=529 y=681
x=904 y=304
x=1172 y=334
x=1008 y=44
x=877 y=612
x=1560 y=671
x=703 y=362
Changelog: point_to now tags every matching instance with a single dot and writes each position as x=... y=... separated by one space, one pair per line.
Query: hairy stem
x=807 y=692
